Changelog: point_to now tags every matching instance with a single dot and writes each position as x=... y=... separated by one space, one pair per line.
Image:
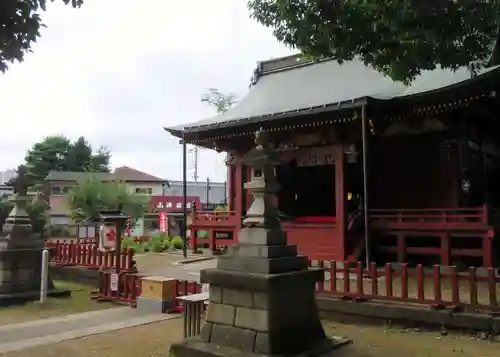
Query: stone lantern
x=262 y=293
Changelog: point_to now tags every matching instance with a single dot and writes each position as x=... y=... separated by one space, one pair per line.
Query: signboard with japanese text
x=113 y=282
x=172 y=204
x=224 y=235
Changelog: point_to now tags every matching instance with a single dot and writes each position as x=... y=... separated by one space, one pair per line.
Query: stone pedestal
x=21 y=259
x=262 y=302
x=262 y=293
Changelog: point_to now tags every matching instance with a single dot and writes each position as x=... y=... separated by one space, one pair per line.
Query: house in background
x=163 y=196
x=60 y=183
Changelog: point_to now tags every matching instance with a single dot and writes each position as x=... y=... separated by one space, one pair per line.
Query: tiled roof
x=77 y=176
x=123 y=173
x=290 y=86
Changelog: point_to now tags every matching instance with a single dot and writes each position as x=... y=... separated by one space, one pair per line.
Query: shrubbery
x=158 y=243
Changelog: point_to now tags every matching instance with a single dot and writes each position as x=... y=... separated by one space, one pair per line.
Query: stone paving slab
x=53 y=330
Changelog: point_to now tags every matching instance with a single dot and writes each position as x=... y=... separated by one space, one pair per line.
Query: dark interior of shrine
x=306 y=191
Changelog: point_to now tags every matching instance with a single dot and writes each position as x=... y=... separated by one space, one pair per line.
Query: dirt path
x=27 y=334
x=154 y=340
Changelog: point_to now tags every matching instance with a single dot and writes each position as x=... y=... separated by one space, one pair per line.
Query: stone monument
x=262 y=293
x=21 y=252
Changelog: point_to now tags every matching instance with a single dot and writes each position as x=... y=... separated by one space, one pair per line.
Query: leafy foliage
x=20 y=24
x=58 y=153
x=91 y=196
x=177 y=242
x=220 y=101
x=398 y=38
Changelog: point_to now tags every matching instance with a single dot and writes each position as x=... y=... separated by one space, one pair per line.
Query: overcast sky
x=117 y=71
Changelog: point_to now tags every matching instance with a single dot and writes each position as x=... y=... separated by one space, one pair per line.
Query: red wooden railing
x=443 y=287
x=88 y=255
x=430 y=217
x=128 y=288
x=213 y=222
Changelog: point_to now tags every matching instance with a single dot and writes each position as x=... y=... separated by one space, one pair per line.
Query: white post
x=45 y=276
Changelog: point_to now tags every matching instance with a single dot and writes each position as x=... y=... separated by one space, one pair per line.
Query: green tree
x=58 y=153
x=398 y=38
x=91 y=196
x=20 y=24
x=220 y=101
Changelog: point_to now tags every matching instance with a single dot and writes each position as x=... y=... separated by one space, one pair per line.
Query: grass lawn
x=369 y=341
x=78 y=302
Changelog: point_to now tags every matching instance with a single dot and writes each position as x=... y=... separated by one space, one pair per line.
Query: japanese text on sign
x=169 y=204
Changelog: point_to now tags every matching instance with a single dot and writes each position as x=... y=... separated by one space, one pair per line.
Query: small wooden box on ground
x=157 y=294
x=159 y=288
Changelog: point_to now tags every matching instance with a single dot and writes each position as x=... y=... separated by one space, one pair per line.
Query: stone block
x=237 y=297
x=473 y=321
x=206 y=332
x=262 y=282
x=262 y=344
x=271 y=251
x=495 y=325
x=253 y=319
x=221 y=314
x=215 y=294
x=262 y=236
x=241 y=339
x=263 y=265
x=25 y=274
x=5 y=275
x=260 y=300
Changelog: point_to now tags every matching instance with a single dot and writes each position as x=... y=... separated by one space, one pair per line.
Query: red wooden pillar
x=231 y=169
x=487 y=251
x=238 y=191
x=445 y=248
x=340 y=197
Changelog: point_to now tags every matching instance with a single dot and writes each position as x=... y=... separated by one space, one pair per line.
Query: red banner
x=163 y=221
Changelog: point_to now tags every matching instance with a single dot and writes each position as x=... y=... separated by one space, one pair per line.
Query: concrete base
x=154 y=306
x=24 y=297
x=195 y=347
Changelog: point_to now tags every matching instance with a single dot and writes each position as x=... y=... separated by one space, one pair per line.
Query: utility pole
x=195 y=151
x=208 y=190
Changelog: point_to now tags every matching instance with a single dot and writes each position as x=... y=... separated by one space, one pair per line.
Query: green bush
x=177 y=242
x=159 y=244
x=161 y=236
x=137 y=247
x=59 y=231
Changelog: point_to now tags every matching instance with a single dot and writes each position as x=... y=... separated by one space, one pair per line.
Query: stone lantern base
x=20 y=273
x=262 y=303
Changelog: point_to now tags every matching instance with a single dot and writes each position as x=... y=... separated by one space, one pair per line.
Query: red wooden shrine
x=424 y=192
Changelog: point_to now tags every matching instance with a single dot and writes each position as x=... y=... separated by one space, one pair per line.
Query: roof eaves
x=336 y=106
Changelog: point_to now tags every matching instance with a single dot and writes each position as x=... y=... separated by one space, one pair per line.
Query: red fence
x=88 y=255
x=123 y=290
x=183 y=288
x=442 y=287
